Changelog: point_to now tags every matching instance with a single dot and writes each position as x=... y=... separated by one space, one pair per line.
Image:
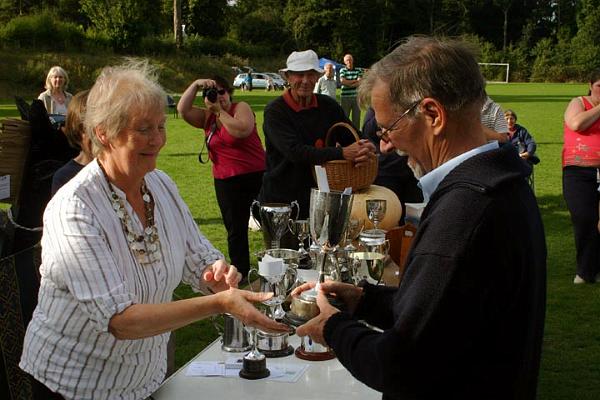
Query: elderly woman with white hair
x=56 y=98
x=118 y=239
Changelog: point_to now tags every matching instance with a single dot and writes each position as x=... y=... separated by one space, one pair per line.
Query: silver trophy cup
x=274 y=220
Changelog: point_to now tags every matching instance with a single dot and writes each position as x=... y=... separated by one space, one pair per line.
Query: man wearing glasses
x=467 y=320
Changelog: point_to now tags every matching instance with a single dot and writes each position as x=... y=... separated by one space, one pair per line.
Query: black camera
x=210 y=93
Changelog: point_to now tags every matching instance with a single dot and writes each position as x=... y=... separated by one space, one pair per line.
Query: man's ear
x=435 y=114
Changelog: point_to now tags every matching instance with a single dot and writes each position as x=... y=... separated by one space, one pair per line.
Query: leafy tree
x=586 y=43
x=206 y=18
x=259 y=23
x=124 y=22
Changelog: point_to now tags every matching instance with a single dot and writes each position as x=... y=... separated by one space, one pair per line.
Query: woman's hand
x=239 y=304
x=205 y=83
x=221 y=276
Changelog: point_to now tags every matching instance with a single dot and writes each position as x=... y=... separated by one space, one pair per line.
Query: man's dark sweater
x=467 y=320
x=294 y=145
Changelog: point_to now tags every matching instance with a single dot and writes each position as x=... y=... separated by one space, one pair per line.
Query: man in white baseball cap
x=295 y=125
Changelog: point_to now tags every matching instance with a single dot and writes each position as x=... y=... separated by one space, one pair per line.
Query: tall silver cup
x=329 y=213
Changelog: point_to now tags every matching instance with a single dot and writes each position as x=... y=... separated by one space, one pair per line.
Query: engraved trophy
x=329 y=214
x=274 y=219
x=274 y=276
x=376 y=209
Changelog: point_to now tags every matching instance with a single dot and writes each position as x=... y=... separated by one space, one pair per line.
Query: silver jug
x=234 y=338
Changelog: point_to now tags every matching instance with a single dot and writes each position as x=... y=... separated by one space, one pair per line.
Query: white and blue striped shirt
x=90 y=274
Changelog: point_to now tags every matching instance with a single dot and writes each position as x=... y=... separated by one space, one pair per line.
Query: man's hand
x=350 y=295
x=221 y=276
x=359 y=152
x=314 y=327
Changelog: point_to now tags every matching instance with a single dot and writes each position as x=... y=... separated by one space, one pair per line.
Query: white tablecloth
x=322 y=380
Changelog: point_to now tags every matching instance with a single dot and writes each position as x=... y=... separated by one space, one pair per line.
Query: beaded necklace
x=145 y=247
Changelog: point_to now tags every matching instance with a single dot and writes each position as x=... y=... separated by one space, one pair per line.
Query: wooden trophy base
x=314 y=356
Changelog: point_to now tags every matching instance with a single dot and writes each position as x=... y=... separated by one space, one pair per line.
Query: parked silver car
x=260 y=80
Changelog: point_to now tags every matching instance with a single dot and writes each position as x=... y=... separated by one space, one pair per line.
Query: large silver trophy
x=274 y=220
x=329 y=214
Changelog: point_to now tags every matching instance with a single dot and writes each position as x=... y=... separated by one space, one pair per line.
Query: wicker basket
x=15 y=137
x=342 y=173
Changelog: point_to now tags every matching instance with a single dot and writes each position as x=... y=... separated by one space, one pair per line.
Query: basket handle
x=341 y=124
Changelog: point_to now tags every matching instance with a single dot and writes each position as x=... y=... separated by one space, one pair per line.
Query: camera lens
x=211 y=94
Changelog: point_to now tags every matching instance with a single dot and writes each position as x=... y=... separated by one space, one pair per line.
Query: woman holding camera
x=236 y=153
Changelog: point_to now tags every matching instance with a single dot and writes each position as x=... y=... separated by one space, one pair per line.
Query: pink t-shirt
x=582 y=149
x=233 y=156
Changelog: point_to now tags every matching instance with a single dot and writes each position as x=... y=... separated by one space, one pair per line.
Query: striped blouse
x=89 y=274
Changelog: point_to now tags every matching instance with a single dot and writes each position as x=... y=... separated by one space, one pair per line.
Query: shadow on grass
x=208 y=221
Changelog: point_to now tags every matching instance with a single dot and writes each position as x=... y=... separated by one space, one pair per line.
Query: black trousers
x=235 y=195
x=580 y=190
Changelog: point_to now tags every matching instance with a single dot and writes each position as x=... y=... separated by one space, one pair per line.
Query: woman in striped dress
x=118 y=239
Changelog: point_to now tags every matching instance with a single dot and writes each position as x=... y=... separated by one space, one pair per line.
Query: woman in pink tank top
x=581 y=163
x=237 y=155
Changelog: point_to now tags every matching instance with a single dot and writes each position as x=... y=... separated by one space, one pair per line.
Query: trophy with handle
x=274 y=220
x=274 y=276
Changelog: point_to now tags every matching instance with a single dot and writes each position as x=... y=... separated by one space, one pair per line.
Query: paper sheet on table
x=279 y=372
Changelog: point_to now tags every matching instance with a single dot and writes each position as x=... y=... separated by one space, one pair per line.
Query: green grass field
x=571 y=354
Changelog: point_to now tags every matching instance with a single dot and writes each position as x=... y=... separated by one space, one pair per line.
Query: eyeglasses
x=221 y=91
x=383 y=133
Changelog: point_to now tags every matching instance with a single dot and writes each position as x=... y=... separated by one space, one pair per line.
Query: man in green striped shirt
x=350 y=79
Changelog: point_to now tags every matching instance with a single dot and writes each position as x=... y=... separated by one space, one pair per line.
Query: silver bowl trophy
x=274 y=220
x=274 y=276
x=329 y=213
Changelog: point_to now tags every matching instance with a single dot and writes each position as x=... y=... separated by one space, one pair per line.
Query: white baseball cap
x=302 y=61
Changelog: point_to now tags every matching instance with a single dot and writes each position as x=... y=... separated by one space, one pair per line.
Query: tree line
x=543 y=40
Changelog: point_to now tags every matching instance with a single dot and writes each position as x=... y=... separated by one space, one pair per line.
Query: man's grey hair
x=443 y=69
x=118 y=93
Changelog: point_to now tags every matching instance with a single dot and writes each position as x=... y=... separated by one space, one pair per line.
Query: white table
x=322 y=380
